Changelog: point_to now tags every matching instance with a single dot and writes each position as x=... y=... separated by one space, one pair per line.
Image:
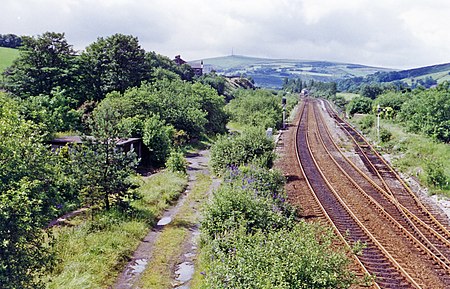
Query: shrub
x=250 y=196
x=252 y=146
x=435 y=175
x=265 y=183
x=232 y=206
x=359 y=104
x=176 y=162
x=385 y=135
x=367 y=122
x=299 y=258
x=258 y=108
x=158 y=137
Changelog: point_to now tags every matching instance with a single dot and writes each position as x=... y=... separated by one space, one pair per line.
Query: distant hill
x=439 y=72
x=427 y=76
x=270 y=73
x=7 y=56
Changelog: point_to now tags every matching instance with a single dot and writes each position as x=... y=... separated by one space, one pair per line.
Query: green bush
x=176 y=162
x=157 y=136
x=266 y=183
x=251 y=146
x=385 y=135
x=259 y=108
x=232 y=206
x=359 y=104
x=302 y=257
x=435 y=175
x=367 y=122
x=250 y=196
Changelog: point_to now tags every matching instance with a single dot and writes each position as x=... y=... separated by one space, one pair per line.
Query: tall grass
x=91 y=253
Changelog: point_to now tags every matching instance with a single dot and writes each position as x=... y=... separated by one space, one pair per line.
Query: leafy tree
x=31 y=193
x=428 y=111
x=191 y=108
x=371 y=90
x=158 y=138
x=213 y=104
x=322 y=89
x=111 y=64
x=46 y=62
x=10 y=40
x=293 y=85
x=102 y=167
x=359 y=104
x=155 y=61
x=256 y=108
x=339 y=101
x=53 y=113
x=215 y=81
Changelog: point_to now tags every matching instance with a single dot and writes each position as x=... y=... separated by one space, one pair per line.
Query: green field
x=7 y=56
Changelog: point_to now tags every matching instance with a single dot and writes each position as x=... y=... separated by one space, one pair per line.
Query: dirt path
x=198 y=164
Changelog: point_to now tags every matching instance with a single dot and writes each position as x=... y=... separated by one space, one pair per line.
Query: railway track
x=369 y=213
x=426 y=222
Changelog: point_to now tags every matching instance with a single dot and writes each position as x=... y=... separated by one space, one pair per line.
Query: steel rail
x=367 y=233
x=327 y=216
x=425 y=245
x=391 y=197
x=423 y=209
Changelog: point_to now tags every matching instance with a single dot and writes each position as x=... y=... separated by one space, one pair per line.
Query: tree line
x=10 y=40
x=421 y=110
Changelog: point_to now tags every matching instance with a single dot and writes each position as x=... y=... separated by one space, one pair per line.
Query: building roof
x=77 y=139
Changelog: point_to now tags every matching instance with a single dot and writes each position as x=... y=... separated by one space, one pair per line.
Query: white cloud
x=388 y=33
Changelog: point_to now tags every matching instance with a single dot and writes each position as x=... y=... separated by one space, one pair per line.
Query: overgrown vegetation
x=111 y=91
x=91 y=253
x=248 y=227
x=250 y=146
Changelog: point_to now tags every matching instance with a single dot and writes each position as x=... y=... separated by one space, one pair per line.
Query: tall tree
x=47 y=61
x=30 y=194
x=102 y=167
x=111 y=64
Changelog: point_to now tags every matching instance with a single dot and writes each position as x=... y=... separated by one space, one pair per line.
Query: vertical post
x=378 y=122
x=283 y=102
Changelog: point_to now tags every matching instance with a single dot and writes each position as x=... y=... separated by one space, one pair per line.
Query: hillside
x=7 y=56
x=271 y=72
x=439 y=72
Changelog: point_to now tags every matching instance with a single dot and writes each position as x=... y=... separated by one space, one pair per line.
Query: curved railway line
x=406 y=244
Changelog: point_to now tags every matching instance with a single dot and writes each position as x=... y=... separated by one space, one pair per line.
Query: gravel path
x=198 y=163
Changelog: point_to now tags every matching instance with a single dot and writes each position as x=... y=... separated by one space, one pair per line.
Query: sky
x=385 y=33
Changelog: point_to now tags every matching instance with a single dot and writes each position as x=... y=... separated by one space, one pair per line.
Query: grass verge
x=91 y=253
x=169 y=245
x=412 y=153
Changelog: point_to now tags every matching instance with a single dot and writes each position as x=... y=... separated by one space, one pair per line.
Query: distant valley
x=269 y=73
